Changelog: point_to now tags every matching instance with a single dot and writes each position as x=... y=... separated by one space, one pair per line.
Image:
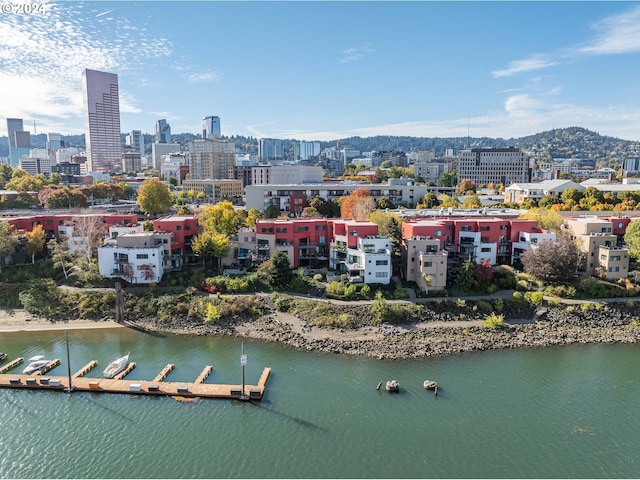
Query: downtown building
x=102 y=121
x=211 y=127
x=19 y=141
x=503 y=166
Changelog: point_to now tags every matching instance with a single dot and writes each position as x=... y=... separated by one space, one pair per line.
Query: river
x=561 y=412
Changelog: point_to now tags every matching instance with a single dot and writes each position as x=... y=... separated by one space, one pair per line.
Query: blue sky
x=328 y=70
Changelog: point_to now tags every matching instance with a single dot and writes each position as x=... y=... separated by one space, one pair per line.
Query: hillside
x=574 y=142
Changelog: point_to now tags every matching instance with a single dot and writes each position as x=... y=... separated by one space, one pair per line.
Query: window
x=321 y=227
x=503 y=227
x=614 y=269
x=322 y=239
x=437 y=233
x=142 y=256
x=267 y=230
x=484 y=239
x=466 y=228
x=485 y=249
x=382 y=262
x=484 y=228
x=427 y=264
x=614 y=258
x=281 y=230
x=382 y=274
x=178 y=227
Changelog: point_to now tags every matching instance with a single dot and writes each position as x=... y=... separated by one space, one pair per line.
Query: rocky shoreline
x=441 y=334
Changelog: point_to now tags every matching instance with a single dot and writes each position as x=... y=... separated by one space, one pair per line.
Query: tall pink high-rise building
x=102 y=121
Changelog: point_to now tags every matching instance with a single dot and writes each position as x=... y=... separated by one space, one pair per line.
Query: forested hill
x=573 y=142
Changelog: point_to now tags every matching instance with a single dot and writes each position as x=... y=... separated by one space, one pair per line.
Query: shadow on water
x=297 y=420
x=103 y=407
x=140 y=329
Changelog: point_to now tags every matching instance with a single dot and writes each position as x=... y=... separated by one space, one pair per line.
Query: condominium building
x=211 y=158
x=425 y=263
x=494 y=165
x=102 y=121
x=216 y=190
x=270 y=150
x=602 y=255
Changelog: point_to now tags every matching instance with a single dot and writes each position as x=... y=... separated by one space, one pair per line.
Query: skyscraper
x=102 y=121
x=136 y=140
x=163 y=132
x=211 y=126
x=19 y=140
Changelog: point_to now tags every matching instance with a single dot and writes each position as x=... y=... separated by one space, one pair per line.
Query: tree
x=553 y=261
x=154 y=197
x=252 y=216
x=632 y=238
x=448 y=179
x=88 y=233
x=221 y=218
x=60 y=254
x=8 y=241
x=278 y=272
x=35 y=241
x=384 y=203
x=430 y=200
x=309 y=212
x=466 y=279
x=211 y=245
x=272 y=211
x=358 y=205
x=390 y=225
x=571 y=194
x=547 y=219
x=466 y=186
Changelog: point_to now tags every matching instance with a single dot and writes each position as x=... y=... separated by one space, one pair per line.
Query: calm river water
x=566 y=412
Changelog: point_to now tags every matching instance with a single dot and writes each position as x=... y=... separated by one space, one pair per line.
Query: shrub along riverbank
x=380 y=328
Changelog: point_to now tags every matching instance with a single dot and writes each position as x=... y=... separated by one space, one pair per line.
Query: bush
x=213 y=314
x=318 y=277
x=499 y=304
x=517 y=296
x=494 y=321
x=535 y=298
x=281 y=301
x=461 y=303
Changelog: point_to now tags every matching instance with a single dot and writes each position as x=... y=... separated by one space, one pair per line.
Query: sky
x=331 y=69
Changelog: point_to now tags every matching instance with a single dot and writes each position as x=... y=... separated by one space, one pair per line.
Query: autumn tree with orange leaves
x=358 y=205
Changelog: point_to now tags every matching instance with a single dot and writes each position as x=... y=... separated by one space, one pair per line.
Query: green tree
x=154 y=197
x=571 y=194
x=272 y=211
x=383 y=203
x=430 y=200
x=221 y=218
x=211 y=245
x=632 y=238
x=8 y=241
x=35 y=241
x=278 y=272
x=466 y=279
x=448 y=179
x=252 y=216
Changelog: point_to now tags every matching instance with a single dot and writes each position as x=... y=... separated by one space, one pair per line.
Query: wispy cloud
x=42 y=58
x=202 y=77
x=534 y=62
x=616 y=34
x=356 y=53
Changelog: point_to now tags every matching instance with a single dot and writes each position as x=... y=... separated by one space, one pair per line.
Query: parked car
x=212 y=289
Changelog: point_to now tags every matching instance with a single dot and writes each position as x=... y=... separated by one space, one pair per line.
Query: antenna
x=468 y=131
x=35 y=132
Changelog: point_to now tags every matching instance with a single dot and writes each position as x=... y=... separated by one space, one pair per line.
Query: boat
x=2 y=356
x=36 y=363
x=430 y=385
x=115 y=367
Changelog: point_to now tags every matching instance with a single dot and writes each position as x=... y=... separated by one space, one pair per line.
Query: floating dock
x=157 y=386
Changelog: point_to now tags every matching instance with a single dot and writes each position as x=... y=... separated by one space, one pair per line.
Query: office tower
x=307 y=150
x=54 y=142
x=502 y=166
x=269 y=150
x=158 y=150
x=162 y=131
x=102 y=121
x=211 y=158
x=136 y=140
x=211 y=127
x=19 y=140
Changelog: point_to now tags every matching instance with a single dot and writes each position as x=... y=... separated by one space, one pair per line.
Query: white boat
x=36 y=363
x=115 y=367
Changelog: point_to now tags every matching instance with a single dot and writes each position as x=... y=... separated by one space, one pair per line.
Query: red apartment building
x=306 y=241
x=478 y=238
x=184 y=229
x=51 y=222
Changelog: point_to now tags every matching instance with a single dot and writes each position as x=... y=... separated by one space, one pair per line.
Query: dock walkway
x=157 y=386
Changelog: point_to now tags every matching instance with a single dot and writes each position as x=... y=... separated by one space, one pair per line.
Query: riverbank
x=438 y=336
x=14 y=320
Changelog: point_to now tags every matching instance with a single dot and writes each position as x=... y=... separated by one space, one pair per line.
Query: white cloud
x=42 y=58
x=202 y=77
x=616 y=34
x=356 y=53
x=535 y=62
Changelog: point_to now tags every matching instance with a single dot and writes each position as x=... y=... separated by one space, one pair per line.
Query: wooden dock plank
x=137 y=387
x=126 y=371
x=165 y=371
x=11 y=364
x=50 y=366
x=86 y=369
x=205 y=374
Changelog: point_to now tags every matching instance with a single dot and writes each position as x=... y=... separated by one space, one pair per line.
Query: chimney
x=556 y=174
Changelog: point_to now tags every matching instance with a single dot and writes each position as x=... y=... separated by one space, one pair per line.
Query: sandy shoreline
x=22 y=321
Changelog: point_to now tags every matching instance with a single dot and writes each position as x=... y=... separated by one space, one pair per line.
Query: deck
x=158 y=386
